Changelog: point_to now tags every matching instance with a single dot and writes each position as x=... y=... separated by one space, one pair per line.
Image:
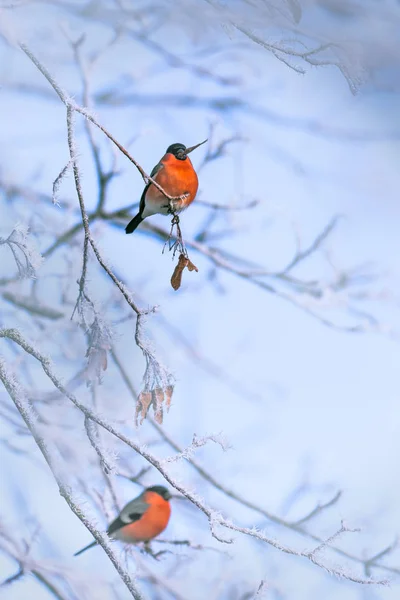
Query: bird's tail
x=130 y=228
x=86 y=548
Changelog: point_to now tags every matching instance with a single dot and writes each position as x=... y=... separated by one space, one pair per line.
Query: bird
x=176 y=175
x=142 y=519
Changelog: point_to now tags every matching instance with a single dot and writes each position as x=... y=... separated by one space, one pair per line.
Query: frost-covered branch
x=92 y=424
x=73 y=107
x=58 y=180
x=85 y=220
x=328 y=542
x=107 y=462
x=309 y=297
x=216 y=521
x=28 y=415
x=198 y=442
x=157 y=381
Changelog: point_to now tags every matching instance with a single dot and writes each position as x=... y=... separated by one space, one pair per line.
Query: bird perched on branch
x=142 y=519
x=177 y=177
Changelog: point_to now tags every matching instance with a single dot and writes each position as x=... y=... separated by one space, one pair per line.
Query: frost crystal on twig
x=27 y=257
x=58 y=180
x=198 y=442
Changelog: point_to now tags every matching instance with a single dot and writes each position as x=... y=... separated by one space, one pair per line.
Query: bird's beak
x=194 y=147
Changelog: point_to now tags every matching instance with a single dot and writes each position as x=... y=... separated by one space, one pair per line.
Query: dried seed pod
x=183 y=262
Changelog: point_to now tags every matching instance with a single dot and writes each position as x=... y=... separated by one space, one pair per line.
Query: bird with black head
x=177 y=177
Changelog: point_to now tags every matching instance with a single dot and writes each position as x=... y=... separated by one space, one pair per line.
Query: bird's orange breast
x=177 y=177
x=151 y=524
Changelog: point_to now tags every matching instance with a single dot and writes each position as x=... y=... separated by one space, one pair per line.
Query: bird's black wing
x=154 y=172
x=135 y=222
x=132 y=512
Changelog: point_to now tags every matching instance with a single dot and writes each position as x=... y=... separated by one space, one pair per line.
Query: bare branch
x=373 y=561
x=33 y=306
x=315 y=245
x=20 y=573
x=318 y=509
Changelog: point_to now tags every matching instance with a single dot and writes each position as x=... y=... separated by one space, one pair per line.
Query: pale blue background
x=325 y=404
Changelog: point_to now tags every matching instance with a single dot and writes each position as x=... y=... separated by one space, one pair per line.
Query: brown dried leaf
x=142 y=407
x=158 y=398
x=169 y=390
x=158 y=401
x=191 y=266
x=176 y=278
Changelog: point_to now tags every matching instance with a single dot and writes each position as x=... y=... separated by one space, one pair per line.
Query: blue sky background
x=318 y=406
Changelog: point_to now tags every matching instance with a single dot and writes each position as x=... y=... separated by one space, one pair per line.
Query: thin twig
x=318 y=509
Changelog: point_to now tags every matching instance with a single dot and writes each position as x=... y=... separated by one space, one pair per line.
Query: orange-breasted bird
x=176 y=175
x=142 y=519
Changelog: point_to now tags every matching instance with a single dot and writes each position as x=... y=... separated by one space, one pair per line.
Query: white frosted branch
x=27 y=413
x=72 y=106
x=58 y=180
x=198 y=442
x=326 y=543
